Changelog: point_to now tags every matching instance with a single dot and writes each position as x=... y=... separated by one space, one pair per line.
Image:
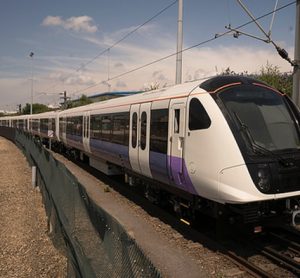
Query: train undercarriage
x=189 y=208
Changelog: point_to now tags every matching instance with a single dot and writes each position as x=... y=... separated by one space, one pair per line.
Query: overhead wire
x=217 y=36
x=120 y=40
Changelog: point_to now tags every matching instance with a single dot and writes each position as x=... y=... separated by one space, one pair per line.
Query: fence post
x=33 y=176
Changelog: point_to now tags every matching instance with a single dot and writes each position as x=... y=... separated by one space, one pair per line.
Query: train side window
x=78 y=126
x=69 y=126
x=95 y=127
x=198 y=117
x=62 y=125
x=44 y=125
x=120 y=128
x=106 y=128
x=159 y=131
x=143 y=130
x=134 y=130
x=176 y=120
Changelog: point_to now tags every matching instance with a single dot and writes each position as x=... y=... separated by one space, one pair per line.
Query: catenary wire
x=217 y=36
x=119 y=41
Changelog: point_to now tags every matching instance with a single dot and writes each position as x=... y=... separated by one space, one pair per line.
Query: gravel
x=26 y=250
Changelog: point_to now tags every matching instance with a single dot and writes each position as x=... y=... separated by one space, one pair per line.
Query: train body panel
x=216 y=140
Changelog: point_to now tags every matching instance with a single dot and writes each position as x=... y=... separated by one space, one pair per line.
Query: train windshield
x=263 y=116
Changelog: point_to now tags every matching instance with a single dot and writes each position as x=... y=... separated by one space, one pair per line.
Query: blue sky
x=67 y=34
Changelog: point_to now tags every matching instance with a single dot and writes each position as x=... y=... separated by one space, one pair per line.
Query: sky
x=75 y=47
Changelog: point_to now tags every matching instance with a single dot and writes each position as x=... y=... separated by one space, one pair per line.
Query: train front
x=265 y=125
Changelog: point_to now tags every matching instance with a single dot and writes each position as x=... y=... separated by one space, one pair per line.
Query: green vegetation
x=84 y=100
x=36 y=108
x=271 y=75
x=281 y=81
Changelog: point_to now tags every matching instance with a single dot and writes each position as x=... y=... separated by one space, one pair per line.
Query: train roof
x=181 y=90
x=177 y=91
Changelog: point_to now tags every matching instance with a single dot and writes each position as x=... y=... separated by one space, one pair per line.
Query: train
x=227 y=147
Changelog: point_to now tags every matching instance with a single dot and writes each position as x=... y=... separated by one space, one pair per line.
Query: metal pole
x=296 y=76
x=31 y=99
x=108 y=69
x=179 y=43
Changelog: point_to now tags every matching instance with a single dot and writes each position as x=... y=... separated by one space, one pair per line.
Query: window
x=62 y=126
x=134 y=130
x=77 y=128
x=74 y=126
x=95 y=127
x=159 y=131
x=264 y=117
x=176 y=120
x=44 y=125
x=143 y=130
x=120 y=128
x=198 y=117
x=21 y=124
x=106 y=127
x=51 y=125
x=35 y=124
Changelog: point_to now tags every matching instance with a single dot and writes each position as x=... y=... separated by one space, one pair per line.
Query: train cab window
x=198 y=117
x=159 y=131
x=134 y=130
x=176 y=120
x=143 y=130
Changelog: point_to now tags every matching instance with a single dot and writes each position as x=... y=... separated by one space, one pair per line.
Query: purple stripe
x=158 y=167
x=179 y=174
x=115 y=153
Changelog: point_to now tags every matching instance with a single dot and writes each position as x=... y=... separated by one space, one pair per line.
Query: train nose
x=296 y=218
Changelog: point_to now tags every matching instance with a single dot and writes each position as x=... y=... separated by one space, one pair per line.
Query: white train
x=228 y=147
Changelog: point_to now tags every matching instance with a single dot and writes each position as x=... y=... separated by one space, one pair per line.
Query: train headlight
x=263 y=182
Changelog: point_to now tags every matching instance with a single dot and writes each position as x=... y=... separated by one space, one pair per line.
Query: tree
x=84 y=100
x=272 y=76
x=36 y=108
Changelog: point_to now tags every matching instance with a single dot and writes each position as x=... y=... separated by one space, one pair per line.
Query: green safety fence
x=95 y=243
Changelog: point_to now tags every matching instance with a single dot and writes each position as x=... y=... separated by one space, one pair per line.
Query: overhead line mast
x=179 y=43
x=296 y=76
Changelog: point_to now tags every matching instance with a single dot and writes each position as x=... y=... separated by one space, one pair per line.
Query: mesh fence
x=96 y=244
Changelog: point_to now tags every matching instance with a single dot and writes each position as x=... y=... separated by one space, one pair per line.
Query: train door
x=86 y=132
x=176 y=132
x=140 y=138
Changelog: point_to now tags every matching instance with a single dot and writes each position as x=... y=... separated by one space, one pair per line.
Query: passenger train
x=228 y=146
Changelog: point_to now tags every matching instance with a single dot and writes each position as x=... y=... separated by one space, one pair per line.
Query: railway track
x=275 y=254
x=284 y=249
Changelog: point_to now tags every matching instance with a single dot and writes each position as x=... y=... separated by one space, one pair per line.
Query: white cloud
x=198 y=63
x=120 y=84
x=82 y=80
x=77 y=24
x=52 y=21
